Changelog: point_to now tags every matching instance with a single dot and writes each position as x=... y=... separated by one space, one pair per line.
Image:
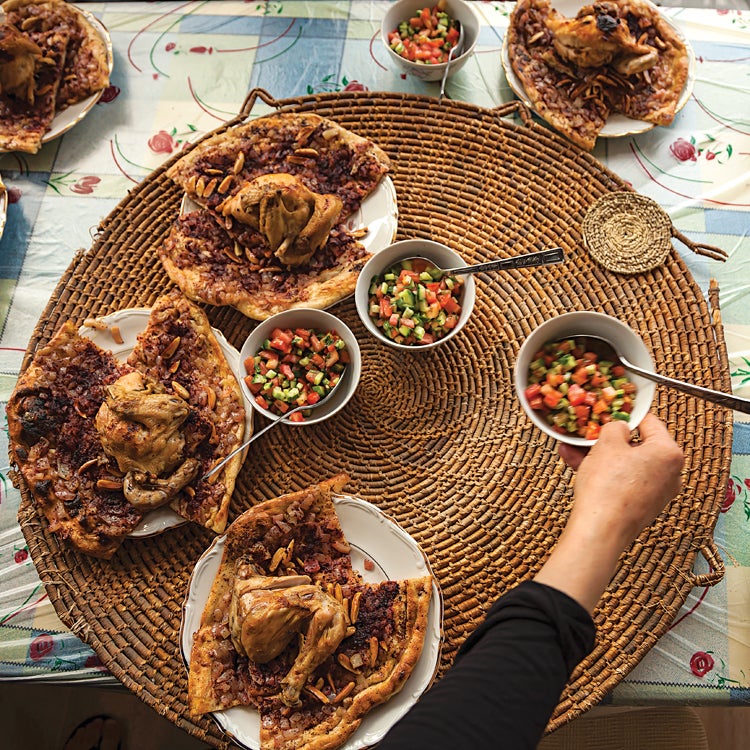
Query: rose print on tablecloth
x=709 y=149
x=701 y=663
x=79 y=185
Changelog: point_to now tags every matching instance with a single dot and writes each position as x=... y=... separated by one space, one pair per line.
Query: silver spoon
x=606 y=349
x=542 y=258
x=454 y=52
x=273 y=423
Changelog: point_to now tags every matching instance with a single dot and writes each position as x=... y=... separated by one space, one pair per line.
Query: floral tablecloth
x=182 y=68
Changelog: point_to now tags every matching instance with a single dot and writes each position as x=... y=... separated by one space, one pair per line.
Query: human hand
x=620 y=488
x=625 y=485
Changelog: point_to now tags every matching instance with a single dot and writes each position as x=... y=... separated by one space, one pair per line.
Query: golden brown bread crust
x=392 y=614
x=577 y=100
x=55 y=443
x=198 y=368
x=218 y=260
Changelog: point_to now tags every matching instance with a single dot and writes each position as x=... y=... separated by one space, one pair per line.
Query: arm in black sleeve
x=507 y=678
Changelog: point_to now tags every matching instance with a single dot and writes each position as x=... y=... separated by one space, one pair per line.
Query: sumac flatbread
x=345 y=647
x=99 y=443
x=274 y=196
x=614 y=56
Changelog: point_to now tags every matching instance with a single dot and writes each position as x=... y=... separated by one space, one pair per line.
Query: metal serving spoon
x=606 y=349
x=542 y=258
x=454 y=52
x=273 y=423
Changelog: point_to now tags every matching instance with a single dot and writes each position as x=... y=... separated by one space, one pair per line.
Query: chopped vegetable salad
x=295 y=367
x=414 y=302
x=427 y=37
x=575 y=391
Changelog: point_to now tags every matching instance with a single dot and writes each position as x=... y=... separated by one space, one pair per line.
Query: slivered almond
x=87 y=465
x=328 y=134
x=27 y=23
x=232 y=255
x=189 y=491
x=210 y=398
x=292 y=159
x=341 y=545
x=345 y=662
x=239 y=162
x=200 y=186
x=338 y=593
x=278 y=556
x=535 y=37
x=210 y=188
x=331 y=683
x=319 y=694
x=174 y=366
x=191 y=183
x=374 y=646
x=213 y=170
x=359 y=233
x=354 y=610
x=289 y=551
x=171 y=348
x=350 y=631
x=116 y=334
x=225 y=184
x=660 y=43
x=96 y=323
x=108 y=484
x=319 y=683
x=180 y=390
x=343 y=693
x=308 y=152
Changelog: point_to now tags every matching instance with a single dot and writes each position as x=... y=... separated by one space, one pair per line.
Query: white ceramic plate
x=378 y=212
x=372 y=536
x=617 y=125
x=131 y=322
x=70 y=116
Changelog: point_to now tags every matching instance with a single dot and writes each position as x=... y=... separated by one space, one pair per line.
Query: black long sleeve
x=507 y=677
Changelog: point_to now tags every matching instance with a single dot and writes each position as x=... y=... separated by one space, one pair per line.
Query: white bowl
x=564 y=326
x=457 y=9
x=441 y=255
x=321 y=322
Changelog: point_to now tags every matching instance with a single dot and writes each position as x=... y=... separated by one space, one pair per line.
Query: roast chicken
x=139 y=426
x=295 y=221
x=18 y=60
x=598 y=36
x=267 y=612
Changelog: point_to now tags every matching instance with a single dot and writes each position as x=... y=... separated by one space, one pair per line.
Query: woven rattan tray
x=436 y=439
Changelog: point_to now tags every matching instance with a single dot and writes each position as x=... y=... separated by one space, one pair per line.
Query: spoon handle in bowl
x=542 y=258
x=715 y=397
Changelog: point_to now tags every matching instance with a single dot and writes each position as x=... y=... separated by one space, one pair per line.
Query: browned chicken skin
x=18 y=60
x=597 y=36
x=139 y=426
x=266 y=612
x=295 y=221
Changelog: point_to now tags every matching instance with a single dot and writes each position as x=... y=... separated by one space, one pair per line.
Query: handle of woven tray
x=711 y=555
x=515 y=106
x=252 y=96
x=710 y=251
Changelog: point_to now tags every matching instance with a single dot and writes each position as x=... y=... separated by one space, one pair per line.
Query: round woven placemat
x=437 y=439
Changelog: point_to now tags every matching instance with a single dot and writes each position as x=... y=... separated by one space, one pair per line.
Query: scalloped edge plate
x=131 y=321
x=63 y=121
x=373 y=536
x=617 y=125
x=3 y=206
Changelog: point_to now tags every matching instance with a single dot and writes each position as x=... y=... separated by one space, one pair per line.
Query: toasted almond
x=359 y=233
x=27 y=23
x=343 y=693
x=319 y=683
x=200 y=186
x=239 y=162
x=232 y=255
x=319 y=694
x=331 y=683
x=535 y=37
x=171 y=348
x=108 y=484
x=87 y=465
x=341 y=545
x=180 y=390
x=345 y=662
x=116 y=334
x=374 y=646
x=213 y=170
x=660 y=43
x=292 y=159
x=210 y=398
x=328 y=134
x=225 y=184
x=354 y=610
x=210 y=187
x=338 y=593
x=189 y=491
x=174 y=366
x=96 y=323
x=307 y=152
x=289 y=551
x=191 y=183
x=278 y=556
x=350 y=631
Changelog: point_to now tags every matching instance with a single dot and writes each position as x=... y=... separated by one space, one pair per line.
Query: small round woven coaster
x=627 y=232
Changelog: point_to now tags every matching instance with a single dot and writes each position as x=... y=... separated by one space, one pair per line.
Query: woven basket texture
x=436 y=439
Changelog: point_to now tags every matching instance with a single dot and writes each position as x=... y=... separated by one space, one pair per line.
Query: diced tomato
x=261 y=402
x=593 y=431
x=297 y=417
x=618 y=371
x=552 y=398
x=580 y=376
x=576 y=395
